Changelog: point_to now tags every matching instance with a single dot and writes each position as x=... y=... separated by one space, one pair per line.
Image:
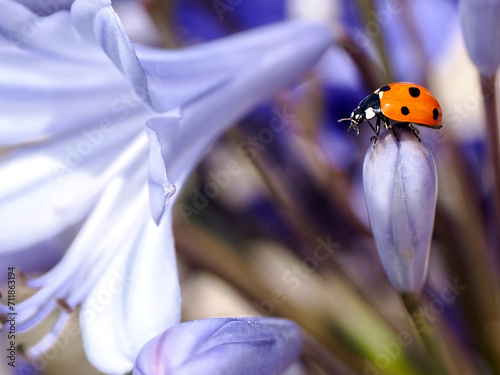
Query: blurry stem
x=488 y=88
x=460 y=227
x=367 y=68
x=276 y=184
x=160 y=12
x=411 y=301
x=334 y=182
x=416 y=42
x=316 y=352
x=369 y=15
x=213 y=254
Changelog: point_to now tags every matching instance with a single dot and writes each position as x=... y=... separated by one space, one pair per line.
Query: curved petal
x=243 y=346
x=160 y=187
x=197 y=71
x=103 y=231
x=290 y=50
x=73 y=87
x=53 y=185
x=46 y=8
x=97 y=21
x=140 y=286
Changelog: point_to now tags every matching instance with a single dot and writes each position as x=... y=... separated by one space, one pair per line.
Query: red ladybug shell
x=409 y=102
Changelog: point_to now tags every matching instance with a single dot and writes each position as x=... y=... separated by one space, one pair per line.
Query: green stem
x=369 y=14
x=316 y=352
x=220 y=258
x=161 y=13
x=371 y=74
x=431 y=345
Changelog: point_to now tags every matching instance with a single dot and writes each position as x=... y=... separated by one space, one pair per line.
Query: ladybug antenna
x=345 y=119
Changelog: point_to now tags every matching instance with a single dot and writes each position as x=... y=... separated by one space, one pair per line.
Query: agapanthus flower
x=95 y=130
x=245 y=345
x=400 y=184
x=481 y=31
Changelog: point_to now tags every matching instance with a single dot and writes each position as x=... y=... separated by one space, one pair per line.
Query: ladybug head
x=357 y=117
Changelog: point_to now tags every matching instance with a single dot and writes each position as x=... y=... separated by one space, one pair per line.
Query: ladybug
x=404 y=102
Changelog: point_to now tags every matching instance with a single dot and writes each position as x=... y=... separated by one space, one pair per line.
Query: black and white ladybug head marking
x=357 y=116
x=367 y=109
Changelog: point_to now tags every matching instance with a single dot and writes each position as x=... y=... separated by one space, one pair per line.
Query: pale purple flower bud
x=400 y=183
x=242 y=346
x=481 y=29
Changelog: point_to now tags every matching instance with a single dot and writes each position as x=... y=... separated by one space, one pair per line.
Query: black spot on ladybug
x=435 y=114
x=404 y=110
x=384 y=88
x=414 y=91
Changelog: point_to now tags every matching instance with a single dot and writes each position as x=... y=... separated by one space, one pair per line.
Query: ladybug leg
x=355 y=127
x=371 y=126
x=391 y=128
x=376 y=130
x=415 y=131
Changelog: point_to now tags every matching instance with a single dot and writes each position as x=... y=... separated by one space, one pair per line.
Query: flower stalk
x=488 y=88
x=368 y=12
x=430 y=342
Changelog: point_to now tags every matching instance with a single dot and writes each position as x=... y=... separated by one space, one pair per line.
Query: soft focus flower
x=243 y=346
x=400 y=183
x=481 y=31
x=76 y=100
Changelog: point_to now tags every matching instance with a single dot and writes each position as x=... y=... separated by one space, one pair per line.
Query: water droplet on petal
x=168 y=189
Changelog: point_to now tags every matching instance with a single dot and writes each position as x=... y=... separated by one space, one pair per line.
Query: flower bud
x=243 y=346
x=481 y=29
x=400 y=183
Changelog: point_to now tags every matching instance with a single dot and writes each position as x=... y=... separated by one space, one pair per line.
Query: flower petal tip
x=161 y=188
x=97 y=22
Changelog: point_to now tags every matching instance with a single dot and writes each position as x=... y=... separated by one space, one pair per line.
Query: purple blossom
x=78 y=103
x=400 y=183
x=243 y=346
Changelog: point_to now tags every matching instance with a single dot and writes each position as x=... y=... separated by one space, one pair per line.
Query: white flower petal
x=160 y=187
x=199 y=70
x=147 y=292
x=35 y=205
x=45 y=8
x=59 y=100
x=96 y=20
x=90 y=79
